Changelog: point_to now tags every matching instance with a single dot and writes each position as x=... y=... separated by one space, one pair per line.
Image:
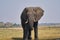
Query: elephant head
x=33 y=14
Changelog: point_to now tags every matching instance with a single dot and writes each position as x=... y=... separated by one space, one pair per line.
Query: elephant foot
x=31 y=28
x=25 y=39
x=36 y=39
x=29 y=39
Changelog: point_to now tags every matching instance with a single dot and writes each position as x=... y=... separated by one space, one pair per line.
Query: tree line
x=9 y=25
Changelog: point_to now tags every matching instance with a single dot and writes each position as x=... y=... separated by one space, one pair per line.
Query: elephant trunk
x=31 y=20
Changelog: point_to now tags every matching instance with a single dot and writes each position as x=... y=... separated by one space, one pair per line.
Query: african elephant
x=29 y=20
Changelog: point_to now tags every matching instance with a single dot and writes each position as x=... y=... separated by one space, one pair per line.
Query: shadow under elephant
x=17 y=38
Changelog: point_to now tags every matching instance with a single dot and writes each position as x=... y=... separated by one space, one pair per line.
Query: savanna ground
x=44 y=33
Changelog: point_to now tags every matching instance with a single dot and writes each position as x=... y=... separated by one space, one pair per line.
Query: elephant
x=29 y=20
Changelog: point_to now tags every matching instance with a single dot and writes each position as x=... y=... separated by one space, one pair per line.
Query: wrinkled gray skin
x=29 y=18
x=34 y=14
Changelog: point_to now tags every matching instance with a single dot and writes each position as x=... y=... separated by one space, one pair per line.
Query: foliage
x=8 y=25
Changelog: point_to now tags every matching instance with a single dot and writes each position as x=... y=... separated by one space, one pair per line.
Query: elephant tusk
x=26 y=21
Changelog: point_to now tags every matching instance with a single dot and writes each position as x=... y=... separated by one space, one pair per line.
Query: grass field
x=44 y=33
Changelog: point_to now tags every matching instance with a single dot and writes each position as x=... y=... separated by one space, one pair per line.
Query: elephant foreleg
x=25 y=34
x=36 y=30
x=29 y=35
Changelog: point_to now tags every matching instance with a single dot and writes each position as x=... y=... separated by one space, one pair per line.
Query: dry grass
x=17 y=33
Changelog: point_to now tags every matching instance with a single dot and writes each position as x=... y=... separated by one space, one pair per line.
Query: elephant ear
x=38 y=13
